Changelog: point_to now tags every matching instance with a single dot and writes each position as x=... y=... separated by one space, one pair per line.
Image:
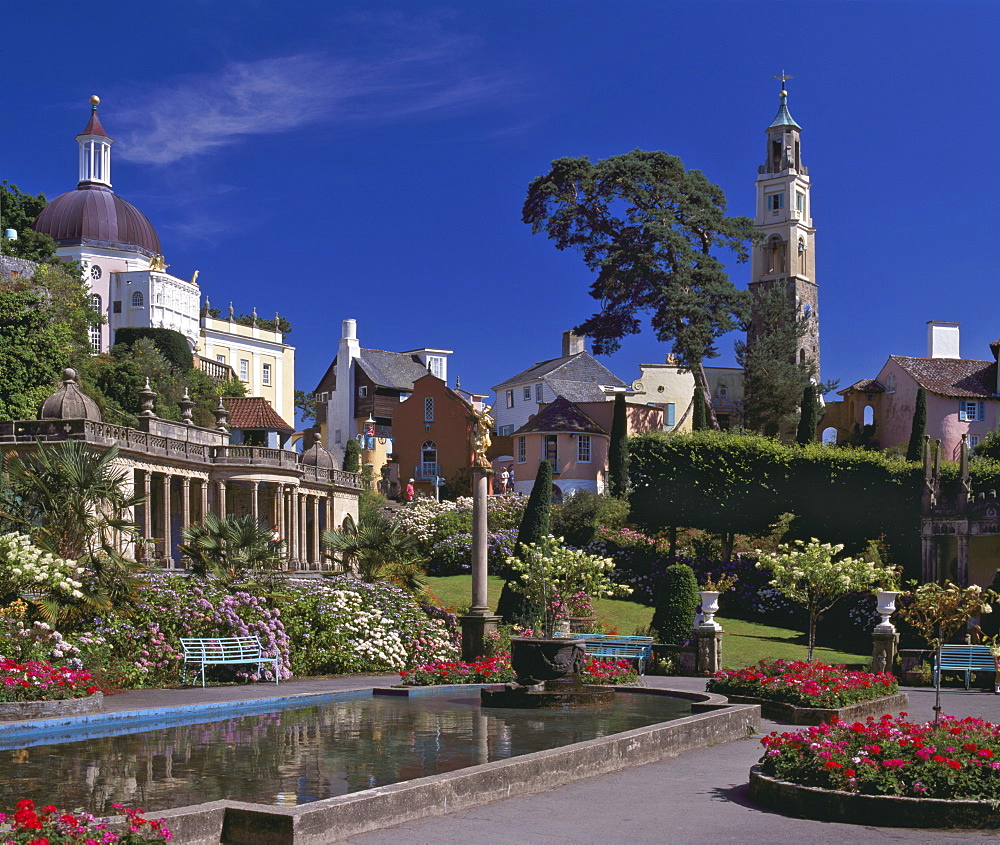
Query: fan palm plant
x=230 y=548
x=379 y=550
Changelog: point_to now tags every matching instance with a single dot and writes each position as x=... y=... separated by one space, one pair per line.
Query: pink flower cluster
x=958 y=758
x=497 y=670
x=804 y=684
x=35 y=680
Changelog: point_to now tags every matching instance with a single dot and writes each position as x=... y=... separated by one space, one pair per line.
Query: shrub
x=676 y=603
x=352 y=456
x=580 y=517
x=172 y=344
x=804 y=684
x=958 y=758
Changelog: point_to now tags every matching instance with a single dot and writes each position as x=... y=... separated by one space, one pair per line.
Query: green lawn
x=744 y=643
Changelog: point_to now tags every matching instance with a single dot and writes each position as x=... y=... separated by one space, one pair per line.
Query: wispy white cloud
x=201 y=113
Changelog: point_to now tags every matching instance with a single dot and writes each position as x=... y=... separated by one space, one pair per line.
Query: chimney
x=349 y=330
x=573 y=343
x=942 y=339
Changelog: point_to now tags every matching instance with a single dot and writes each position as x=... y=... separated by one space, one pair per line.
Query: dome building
x=118 y=248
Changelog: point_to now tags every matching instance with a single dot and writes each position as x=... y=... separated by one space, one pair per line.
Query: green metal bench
x=225 y=651
x=966 y=659
x=614 y=647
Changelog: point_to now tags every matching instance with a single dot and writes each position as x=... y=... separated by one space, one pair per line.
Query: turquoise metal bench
x=225 y=651
x=966 y=659
x=614 y=647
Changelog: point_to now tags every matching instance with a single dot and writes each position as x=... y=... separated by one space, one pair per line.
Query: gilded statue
x=479 y=435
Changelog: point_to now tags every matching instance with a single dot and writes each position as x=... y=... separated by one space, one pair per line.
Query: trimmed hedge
x=676 y=604
x=172 y=344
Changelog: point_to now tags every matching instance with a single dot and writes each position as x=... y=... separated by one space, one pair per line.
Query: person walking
x=504 y=480
x=410 y=491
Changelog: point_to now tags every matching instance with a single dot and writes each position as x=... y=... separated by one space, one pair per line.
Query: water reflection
x=292 y=757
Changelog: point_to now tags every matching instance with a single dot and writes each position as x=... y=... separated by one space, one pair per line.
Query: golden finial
x=784 y=76
x=95 y=101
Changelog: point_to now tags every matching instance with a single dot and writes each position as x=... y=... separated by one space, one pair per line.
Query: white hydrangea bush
x=25 y=567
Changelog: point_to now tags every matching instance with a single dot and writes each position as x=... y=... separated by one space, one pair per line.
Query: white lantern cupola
x=95 y=150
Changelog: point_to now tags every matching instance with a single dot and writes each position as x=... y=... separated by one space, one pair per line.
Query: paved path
x=697 y=797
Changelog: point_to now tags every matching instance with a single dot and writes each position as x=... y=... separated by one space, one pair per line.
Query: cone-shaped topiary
x=533 y=529
x=915 y=450
x=809 y=419
x=676 y=604
x=618 y=451
x=699 y=417
x=352 y=456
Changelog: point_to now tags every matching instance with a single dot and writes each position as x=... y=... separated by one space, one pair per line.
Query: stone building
x=185 y=472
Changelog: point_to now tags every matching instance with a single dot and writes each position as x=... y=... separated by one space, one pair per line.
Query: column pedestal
x=709 y=657
x=885 y=644
x=480 y=620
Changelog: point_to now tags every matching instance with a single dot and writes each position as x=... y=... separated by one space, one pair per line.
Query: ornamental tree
x=618 y=451
x=915 y=448
x=648 y=228
x=548 y=572
x=938 y=612
x=807 y=573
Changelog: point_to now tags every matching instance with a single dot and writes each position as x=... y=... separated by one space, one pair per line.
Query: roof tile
x=254 y=412
x=958 y=377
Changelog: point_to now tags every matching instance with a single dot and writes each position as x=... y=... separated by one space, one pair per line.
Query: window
x=890 y=383
x=800 y=202
x=137 y=299
x=583 y=448
x=363 y=390
x=970 y=411
x=510 y=398
x=428 y=460
x=95 y=331
x=428 y=409
x=527 y=394
x=435 y=364
x=116 y=307
x=221 y=359
x=244 y=370
x=972 y=440
x=538 y=392
x=551 y=453
x=774 y=255
x=671 y=413
x=505 y=430
x=265 y=375
x=520 y=450
x=775 y=202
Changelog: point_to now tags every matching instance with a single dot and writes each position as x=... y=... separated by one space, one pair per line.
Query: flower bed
x=955 y=761
x=36 y=680
x=496 y=670
x=50 y=826
x=804 y=684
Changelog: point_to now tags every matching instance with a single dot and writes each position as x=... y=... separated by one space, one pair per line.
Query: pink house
x=962 y=397
x=574 y=438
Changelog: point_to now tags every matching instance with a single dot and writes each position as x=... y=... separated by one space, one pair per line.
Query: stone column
x=927 y=555
x=279 y=507
x=316 y=555
x=147 y=508
x=303 y=545
x=254 y=486
x=168 y=540
x=709 y=659
x=185 y=501
x=963 y=554
x=221 y=503
x=479 y=621
x=293 y=523
x=204 y=499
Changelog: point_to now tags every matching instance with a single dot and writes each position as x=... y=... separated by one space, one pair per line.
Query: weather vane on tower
x=784 y=76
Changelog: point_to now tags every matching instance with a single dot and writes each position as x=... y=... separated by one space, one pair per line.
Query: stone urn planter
x=21 y=711
x=886 y=607
x=709 y=607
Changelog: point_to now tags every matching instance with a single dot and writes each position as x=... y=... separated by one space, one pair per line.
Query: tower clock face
x=95 y=272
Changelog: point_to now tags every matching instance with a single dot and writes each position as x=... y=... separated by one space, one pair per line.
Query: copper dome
x=93 y=216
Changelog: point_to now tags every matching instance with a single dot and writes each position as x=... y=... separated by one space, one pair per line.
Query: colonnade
x=174 y=500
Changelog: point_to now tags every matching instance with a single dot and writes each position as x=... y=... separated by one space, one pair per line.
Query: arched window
x=802 y=256
x=869 y=415
x=428 y=460
x=802 y=356
x=137 y=300
x=829 y=437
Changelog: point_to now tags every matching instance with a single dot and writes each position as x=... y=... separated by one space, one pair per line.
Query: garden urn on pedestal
x=885 y=640
x=709 y=607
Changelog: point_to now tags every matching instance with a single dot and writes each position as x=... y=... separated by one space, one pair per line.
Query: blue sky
x=329 y=160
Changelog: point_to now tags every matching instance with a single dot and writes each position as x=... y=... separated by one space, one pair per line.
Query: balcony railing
x=427 y=471
x=133 y=440
x=215 y=370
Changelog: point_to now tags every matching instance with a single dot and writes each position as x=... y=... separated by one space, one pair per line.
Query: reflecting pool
x=303 y=754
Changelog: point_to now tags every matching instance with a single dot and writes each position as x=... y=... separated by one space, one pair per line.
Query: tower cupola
x=95 y=150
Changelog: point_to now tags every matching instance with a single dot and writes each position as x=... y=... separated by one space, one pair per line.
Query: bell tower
x=787 y=256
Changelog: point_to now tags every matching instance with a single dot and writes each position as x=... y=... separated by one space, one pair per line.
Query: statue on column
x=480 y=435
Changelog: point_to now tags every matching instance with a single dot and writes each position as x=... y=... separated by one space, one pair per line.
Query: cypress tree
x=915 y=451
x=618 y=451
x=676 y=603
x=699 y=418
x=809 y=419
x=534 y=528
x=352 y=456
